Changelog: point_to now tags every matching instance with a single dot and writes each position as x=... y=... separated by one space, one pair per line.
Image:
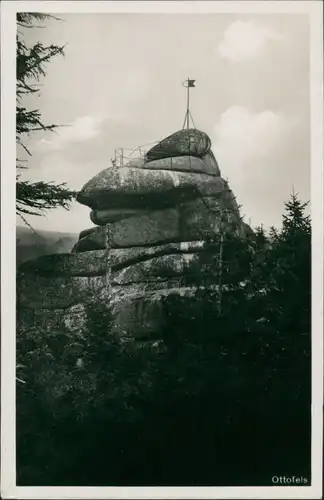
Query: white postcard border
x=8 y=244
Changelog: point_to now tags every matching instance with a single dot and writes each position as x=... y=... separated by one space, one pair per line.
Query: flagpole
x=188 y=103
x=188 y=83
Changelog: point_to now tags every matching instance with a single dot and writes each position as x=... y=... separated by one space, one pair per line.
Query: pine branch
x=34 y=198
x=54 y=50
x=25 y=19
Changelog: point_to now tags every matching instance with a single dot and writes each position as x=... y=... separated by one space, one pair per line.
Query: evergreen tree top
x=295 y=219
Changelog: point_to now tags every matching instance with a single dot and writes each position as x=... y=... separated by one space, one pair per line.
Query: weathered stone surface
x=205 y=165
x=184 y=142
x=158 y=268
x=37 y=292
x=86 y=232
x=138 y=318
x=191 y=220
x=67 y=264
x=137 y=188
x=137 y=310
x=109 y=215
x=124 y=257
x=139 y=289
x=211 y=163
x=155 y=228
x=72 y=319
x=123 y=187
x=95 y=263
x=206 y=216
x=140 y=315
x=198 y=221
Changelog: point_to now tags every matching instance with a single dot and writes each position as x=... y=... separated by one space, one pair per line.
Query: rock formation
x=152 y=216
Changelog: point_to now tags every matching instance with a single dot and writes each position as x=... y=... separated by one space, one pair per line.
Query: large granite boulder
x=159 y=210
x=160 y=268
x=206 y=164
x=191 y=142
x=41 y=292
x=65 y=264
x=155 y=228
x=191 y=220
x=95 y=263
x=139 y=314
x=129 y=188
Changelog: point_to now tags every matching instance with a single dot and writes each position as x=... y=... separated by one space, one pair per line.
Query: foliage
x=32 y=198
x=223 y=400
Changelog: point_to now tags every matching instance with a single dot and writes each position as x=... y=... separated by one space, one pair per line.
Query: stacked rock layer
x=158 y=211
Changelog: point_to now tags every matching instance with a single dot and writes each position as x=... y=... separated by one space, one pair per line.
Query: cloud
x=246 y=143
x=81 y=129
x=256 y=152
x=245 y=40
x=241 y=135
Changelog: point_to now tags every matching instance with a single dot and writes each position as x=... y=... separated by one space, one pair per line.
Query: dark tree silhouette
x=32 y=198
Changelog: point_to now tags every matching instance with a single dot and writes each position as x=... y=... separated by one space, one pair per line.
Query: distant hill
x=30 y=245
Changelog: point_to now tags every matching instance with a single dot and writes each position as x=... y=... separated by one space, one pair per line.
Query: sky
x=120 y=85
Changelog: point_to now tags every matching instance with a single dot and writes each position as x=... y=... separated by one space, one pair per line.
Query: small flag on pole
x=189 y=83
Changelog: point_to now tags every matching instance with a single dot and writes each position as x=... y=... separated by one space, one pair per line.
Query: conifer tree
x=292 y=272
x=32 y=198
